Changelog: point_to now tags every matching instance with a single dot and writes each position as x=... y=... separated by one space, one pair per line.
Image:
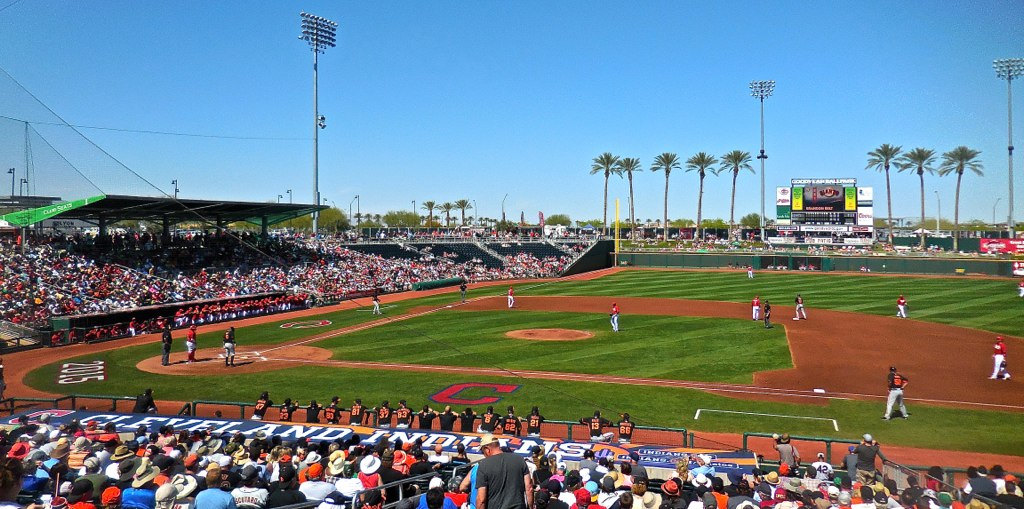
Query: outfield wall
x=598 y=257
x=876 y=264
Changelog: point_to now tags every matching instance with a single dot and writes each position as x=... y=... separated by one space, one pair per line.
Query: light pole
x=350 y=216
x=175 y=184
x=503 y=208
x=289 y=195
x=939 y=215
x=22 y=186
x=761 y=89
x=994 y=210
x=1008 y=69
x=476 y=212
x=11 y=171
x=319 y=33
x=279 y=198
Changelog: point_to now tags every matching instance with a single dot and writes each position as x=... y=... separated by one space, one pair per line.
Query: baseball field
x=687 y=343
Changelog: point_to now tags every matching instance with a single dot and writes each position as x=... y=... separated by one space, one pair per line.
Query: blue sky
x=448 y=100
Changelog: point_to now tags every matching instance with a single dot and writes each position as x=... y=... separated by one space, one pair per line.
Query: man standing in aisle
x=615 y=317
x=897 y=382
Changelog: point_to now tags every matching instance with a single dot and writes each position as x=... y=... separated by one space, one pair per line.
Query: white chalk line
x=696 y=416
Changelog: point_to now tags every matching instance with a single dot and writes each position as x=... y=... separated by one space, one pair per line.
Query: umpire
x=165 y=338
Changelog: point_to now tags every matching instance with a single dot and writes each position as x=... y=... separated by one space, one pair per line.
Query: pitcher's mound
x=549 y=334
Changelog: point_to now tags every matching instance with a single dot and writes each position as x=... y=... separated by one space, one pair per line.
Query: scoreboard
x=813 y=209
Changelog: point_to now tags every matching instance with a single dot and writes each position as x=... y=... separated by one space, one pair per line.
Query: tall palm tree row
x=880 y=159
x=462 y=205
x=628 y=166
x=429 y=206
x=666 y=161
x=605 y=164
x=920 y=161
x=957 y=161
x=447 y=208
x=701 y=162
x=734 y=162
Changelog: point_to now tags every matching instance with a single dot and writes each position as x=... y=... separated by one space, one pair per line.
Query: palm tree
x=462 y=205
x=429 y=206
x=956 y=161
x=880 y=159
x=628 y=165
x=733 y=162
x=605 y=164
x=447 y=207
x=701 y=163
x=666 y=161
x=919 y=160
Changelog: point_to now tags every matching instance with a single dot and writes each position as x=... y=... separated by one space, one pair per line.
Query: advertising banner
x=32 y=216
x=782 y=197
x=798 y=198
x=1018 y=268
x=835 y=182
x=781 y=240
x=821 y=198
x=851 y=198
x=997 y=246
x=857 y=241
x=865 y=196
x=824 y=228
x=657 y=456
x=865 y=216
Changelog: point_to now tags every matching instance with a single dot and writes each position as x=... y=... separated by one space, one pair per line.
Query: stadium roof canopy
x=141 y=208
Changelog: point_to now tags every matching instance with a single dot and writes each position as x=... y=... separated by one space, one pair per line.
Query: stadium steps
x=13 y=336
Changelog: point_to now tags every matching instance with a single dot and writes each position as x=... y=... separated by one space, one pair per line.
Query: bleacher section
x=465 y=252
x=385 y=250
x=538 y=249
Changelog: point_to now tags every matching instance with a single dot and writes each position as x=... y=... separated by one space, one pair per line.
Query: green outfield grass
x=647 y=346
x=986 y=304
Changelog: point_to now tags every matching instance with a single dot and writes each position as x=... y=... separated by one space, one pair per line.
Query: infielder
x=615 y=317
x=229 y=347
x=190 y=344
x=1020 y=288
x=897 y=382
x=462 y=291
x=999 y=360
x=755 y=306
x=750 y=272
x=511 y=297
x=801 y=313
x=376 y=304
x=901 y=307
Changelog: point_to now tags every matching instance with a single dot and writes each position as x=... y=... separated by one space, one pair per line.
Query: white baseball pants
x=998 y=361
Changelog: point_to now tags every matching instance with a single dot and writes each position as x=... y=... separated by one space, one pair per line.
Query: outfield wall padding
x=876 y=264
x=437 y=283
x=596 y=258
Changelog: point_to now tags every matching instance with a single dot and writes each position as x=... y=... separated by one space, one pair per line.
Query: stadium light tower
x=1008 y=69
x=319 y=33
x=761 y=89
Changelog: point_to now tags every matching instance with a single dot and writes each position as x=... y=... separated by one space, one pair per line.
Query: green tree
x=401 y=218
x=447 y=208
x=596 y=223
x=919 y=160
x=559 y=219
x=956 y=161
x=701 y=162
x=734 y=162
x=880 y=159
x=605 y=164
x=462 y=205
x=714 y=223
x=752 y=220
x=666 y=161
x=629 y=166
x=681 y=223
x=429 y=206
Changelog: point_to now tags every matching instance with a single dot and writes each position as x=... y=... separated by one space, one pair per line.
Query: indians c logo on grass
x=309 y=324
x=450 y=396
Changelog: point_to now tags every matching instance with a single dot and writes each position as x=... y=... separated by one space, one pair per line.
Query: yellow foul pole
x=616 y=263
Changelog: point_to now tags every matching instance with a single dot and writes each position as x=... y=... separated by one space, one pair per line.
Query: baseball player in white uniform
x=615 y=317
x=755 y=308
x=999 y=360
x=750 y=272
x=901 y=307
x=800 y=311
x=1020 y=288
x=511 y=297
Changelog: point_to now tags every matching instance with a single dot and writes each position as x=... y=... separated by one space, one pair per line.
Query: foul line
x=696 y=416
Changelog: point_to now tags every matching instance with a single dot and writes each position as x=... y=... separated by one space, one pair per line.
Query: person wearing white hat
x=823 y=469
x=368 y=467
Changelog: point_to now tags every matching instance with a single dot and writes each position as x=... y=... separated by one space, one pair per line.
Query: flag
x=541 y=215
x=522 y=218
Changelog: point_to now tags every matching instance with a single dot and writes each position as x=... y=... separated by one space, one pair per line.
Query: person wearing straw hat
x=142 y=493
x=502 y=478
x=166 y=496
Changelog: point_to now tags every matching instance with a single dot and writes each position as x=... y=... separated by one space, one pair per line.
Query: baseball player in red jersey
x=901 y=307
x=190 y=344
x=511 y=297
x=755 y=306
x=615 y=317
x=999 y=360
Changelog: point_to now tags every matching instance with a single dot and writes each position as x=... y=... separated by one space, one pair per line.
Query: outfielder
x=999 y=361
x=190 y=344
x=897 y=382
x=229 y=347
x=615 y=317
x=755 y=306
x=800 y=311
x=901 y=307
x=511 y=297
x=750 y=272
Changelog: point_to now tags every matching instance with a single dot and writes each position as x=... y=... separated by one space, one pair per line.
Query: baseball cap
x=867 y=437
x=487 y=439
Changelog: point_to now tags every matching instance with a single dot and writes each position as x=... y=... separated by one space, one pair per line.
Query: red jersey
x=756 y=302
x=1000 y=348
x=1021 y=284
x=190 y=336
x=511 y=292
x=615 y=309
x=901 y=302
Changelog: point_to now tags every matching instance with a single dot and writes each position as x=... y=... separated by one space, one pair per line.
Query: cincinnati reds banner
x=656 y=456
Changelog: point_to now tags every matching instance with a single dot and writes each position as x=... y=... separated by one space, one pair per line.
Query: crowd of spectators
x=83 y=465
x=75 y=275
